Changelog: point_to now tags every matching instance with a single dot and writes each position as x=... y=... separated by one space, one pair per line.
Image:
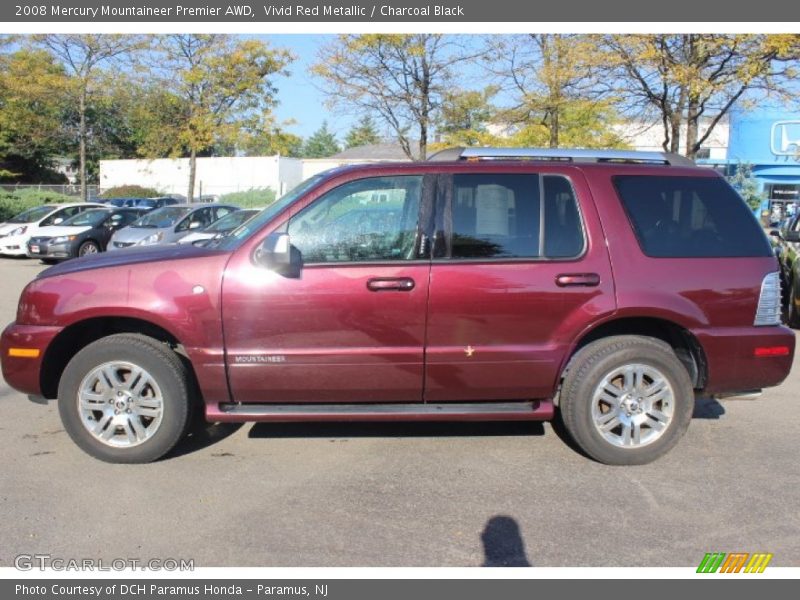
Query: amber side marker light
x=24 y=352
x=771 y=351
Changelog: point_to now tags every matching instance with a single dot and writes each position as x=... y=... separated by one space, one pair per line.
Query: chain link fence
x=68 y=189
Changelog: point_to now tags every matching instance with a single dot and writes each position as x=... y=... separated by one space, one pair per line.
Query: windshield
x=230 y=222
x=89 y=217
x=33 y=214
x=163 y=217
x=247 y=229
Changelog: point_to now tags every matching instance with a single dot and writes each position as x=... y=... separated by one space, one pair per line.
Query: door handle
x=578 y=279
x=385 y=284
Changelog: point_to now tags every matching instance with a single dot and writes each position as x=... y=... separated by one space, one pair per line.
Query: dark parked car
x=86 y=233
x=146 y=203
x=786 y=241
x=506 y=284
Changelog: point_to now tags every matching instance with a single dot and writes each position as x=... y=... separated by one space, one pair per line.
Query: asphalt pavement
x=402 y=494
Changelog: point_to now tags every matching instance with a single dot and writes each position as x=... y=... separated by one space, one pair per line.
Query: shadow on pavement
x=707 y=408
x=502 y=543
x=201 y=436
x=394 y=429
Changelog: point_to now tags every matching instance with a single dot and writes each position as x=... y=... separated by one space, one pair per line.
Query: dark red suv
x=485 y=284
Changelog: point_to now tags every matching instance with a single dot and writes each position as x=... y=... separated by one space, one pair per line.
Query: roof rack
x=564 y=155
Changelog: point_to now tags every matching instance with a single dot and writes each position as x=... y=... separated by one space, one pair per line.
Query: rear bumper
x=22 y=351
x=746 y=358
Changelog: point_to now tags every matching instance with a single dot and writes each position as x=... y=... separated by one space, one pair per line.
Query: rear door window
x=513 y=215
x=690 y=217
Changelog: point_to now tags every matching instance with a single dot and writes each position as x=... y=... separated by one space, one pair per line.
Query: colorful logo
x=735 y=562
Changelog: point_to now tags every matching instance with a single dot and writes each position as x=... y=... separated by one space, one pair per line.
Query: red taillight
x=771 y=351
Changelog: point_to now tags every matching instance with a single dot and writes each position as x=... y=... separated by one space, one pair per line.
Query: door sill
x=536 y=410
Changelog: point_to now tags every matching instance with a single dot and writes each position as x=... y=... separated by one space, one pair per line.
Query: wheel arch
x=73 y=338
x=685 y=344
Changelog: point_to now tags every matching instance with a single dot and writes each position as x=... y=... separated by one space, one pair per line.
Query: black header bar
x=396 y=11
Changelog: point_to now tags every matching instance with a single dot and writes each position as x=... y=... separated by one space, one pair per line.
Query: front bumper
x=22 y=353
x=15 y=245
x=37 y=248
x=746 y=358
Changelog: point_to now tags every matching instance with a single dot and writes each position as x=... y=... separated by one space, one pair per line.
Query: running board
x=473 y=411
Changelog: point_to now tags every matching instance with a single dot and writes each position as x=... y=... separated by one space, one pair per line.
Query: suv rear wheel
x=124 y=399
x=626 y=400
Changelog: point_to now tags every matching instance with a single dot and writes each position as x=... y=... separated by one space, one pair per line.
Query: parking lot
x=402 y=494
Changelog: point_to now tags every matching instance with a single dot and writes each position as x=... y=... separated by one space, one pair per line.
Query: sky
x=298 y=94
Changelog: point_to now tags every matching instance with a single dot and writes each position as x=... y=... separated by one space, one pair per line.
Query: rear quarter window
x=690 y=217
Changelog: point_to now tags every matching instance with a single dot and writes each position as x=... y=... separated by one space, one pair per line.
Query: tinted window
x=88 y=217
x=162 y=217
x=62 y=215
x=504 y=216
x=32 y=214
x=363 y=220
x=690 y=217
x=563 y=234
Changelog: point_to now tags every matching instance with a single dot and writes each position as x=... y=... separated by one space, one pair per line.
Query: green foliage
x=266 y=138
x=254 y=198
x=743 y=182
x=13 y=203
x=364 y=133
x=131 y=191
x=33 y=111
x=321 y=144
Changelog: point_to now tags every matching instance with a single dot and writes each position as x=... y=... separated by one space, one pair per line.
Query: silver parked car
x=219 y=228
x=168 y=224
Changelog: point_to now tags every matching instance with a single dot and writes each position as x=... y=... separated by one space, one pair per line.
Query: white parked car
x=15 y=233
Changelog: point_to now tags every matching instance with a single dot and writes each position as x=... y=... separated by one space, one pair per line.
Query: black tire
x=792 y=314
x=88 y=247
x=163 y=367
x=598 y=360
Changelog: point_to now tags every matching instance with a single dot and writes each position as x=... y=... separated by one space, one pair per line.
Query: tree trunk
x=192 y=175
x=423 y=140
x=82 y=144
x=692 y=128
x=554 y=125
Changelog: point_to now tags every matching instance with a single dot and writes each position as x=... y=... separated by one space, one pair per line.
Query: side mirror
x=57 y=221
x=195 y=225
x=276 y=253
x=792 y=236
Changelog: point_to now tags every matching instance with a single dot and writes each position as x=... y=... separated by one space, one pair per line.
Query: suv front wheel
x=626 y=400
x=124 y=399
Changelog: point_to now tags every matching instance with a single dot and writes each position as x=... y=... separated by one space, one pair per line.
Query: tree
x=265 y=137
x=553 y=81
x=33 y=109
x=217 y=84
x=400 y=78
x=321 y=144
x=466 y=116
x=743 y=182
x=689 y=82
x=84 y=57
x=364 y=133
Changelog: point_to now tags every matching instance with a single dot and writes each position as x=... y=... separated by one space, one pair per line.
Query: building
x=767 y=137
x=762 y=135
